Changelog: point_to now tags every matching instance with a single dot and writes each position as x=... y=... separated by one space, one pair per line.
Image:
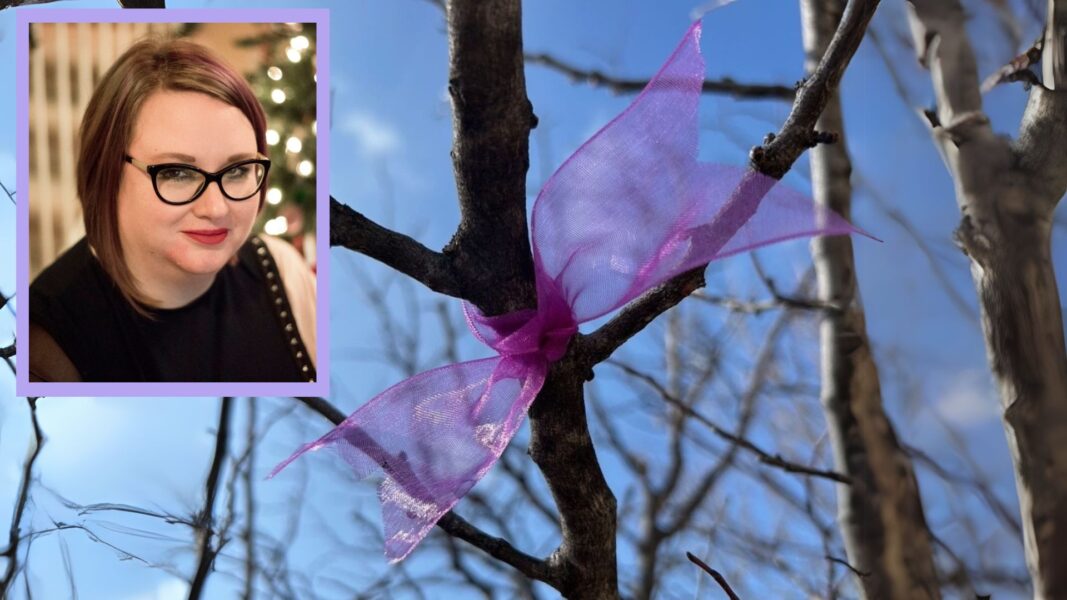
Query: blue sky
x=390 y=142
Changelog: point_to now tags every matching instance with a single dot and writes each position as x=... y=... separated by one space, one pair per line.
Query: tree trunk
x=1007 y=192
x=880 y=513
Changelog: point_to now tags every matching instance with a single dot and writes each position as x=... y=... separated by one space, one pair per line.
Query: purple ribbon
x=628 y=210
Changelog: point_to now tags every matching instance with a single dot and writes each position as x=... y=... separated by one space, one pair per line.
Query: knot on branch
x=822 y=137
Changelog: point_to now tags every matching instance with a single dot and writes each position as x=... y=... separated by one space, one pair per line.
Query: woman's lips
x=208 y=236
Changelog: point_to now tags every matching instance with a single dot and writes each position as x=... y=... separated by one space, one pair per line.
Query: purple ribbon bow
x=628 y=210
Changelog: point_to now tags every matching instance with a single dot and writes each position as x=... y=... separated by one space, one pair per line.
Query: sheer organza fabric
x=628 y=210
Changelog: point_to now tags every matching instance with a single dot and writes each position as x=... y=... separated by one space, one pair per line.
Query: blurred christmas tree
x=286 y=87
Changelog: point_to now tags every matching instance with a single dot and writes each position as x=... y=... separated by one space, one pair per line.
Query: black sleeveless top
x=240 y=329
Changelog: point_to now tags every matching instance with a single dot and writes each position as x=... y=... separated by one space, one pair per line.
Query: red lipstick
x=209 y=237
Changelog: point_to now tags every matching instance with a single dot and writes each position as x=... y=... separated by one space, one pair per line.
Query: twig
x=248 y=535
x=773 y=159
x=500 y=549
x=204 y=527
x=620 y=85
x=765 y=457
x=350 y=229
x=14 y=3
x=845 y=563
x=12 y=550
x=457 y=526
x=10 y=193
x=715 y=574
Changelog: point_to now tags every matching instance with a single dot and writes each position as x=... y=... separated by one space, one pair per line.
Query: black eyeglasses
x=179 y=183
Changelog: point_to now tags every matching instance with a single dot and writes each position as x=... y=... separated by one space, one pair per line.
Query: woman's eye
x=175 y=175
x=237 y=172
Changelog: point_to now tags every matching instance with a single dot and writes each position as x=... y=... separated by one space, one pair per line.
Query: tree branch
x=11 y=552
x=795 y=136
x=491 y=123
x=350 y=229
x=1006 y=194
x=774 y=460
x=772 y=159
x=457 y=526
x=618 y=85
x=500 y=549
x=203 y=522
x=881 y=514
x=596 y=347
x=715 y=574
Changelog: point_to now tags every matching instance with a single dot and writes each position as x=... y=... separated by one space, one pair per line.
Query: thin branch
x=11 y=553
x=795 y=136
x=981 y=487
x=715 y=574
x=204 y=527
x=350 y=229
x=846 y=564
x=457 y=526
x=10 y=193
x=774 y=460
x=248 y=535
x=621 y=85
x=635 y=316
x=773 y=159
x=500 y=549
x=15 y=3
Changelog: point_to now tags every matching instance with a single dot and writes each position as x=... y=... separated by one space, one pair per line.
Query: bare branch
x=248 y=535
x=773 y=159
x=457 y=526
x=599 y=345
x=618 y=85
x=204 y=525
x=774 y=460
x=795 y=136
x=715 y=574
x=501 y=550
x=350 y=229
x=11 y=552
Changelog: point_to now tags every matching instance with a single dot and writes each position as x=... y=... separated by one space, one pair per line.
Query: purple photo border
x=318 y=16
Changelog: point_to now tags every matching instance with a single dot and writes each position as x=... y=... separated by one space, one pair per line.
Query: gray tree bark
x=880 y=513
x=1007 y=191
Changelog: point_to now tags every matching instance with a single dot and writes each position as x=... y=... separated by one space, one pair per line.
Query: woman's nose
x=211 y=204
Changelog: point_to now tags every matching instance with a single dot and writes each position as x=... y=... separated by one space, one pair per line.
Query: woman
x=167 y=285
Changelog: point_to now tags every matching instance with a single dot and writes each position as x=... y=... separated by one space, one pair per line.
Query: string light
x=299 y=42
x=314 y=130
x=305 y=168
x=276 y=226
x=274 y=73
x=277 y=95
x=293 y=145
x=293 y=54
x=274 y=196
x=273 y=137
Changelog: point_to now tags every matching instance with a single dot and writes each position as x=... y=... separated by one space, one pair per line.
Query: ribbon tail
x=433 y=436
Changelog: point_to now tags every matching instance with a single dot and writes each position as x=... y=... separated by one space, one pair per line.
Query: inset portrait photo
x=173 y=238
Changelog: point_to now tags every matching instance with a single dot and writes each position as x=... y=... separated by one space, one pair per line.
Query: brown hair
x=150 y=65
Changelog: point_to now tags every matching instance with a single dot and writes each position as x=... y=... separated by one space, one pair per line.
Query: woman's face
x=199 y=238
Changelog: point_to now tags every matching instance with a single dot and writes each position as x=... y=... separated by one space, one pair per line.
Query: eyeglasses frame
x=152 y=170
